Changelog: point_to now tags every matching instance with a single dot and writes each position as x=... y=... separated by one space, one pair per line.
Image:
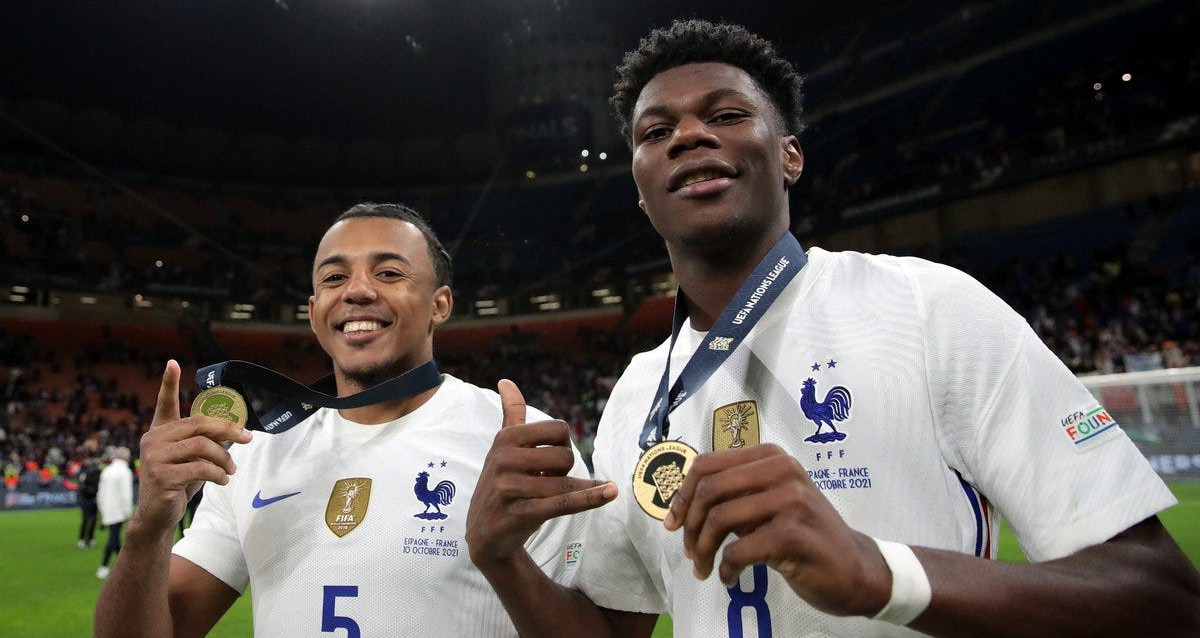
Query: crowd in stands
x=1099 y=314
x=1045 y=108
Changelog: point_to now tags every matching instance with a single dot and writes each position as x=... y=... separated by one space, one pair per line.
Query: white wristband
x=910 y=584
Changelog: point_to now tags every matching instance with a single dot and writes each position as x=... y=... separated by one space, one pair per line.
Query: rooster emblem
x=835 y=407
x=443 y=494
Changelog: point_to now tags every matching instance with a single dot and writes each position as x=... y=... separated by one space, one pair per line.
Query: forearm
x=1137 y=585
x=134 y=600
x=542 y=608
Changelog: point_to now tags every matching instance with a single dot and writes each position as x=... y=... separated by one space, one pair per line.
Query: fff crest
x=735 y=426
x=833 y=408
x=347 y=505
x=435 y=497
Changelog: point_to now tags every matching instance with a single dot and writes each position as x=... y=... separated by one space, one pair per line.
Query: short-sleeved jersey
x=921 y=406
x=334 y=522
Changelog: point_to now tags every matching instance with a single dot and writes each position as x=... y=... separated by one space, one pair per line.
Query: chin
x=370 y=375
x=711 y=239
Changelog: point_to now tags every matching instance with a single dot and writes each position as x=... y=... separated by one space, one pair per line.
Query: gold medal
x=222 y=403
x=659 y=475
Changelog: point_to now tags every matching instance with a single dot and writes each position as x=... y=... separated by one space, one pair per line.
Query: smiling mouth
x=702 y=175
x=354 y=327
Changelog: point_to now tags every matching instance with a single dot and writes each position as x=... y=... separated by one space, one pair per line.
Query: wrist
x=145 y=530
x=911 y=591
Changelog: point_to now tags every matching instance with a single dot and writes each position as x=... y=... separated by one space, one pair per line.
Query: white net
x=1160 y=410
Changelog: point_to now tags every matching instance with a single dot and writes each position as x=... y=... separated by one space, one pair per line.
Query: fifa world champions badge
x=735 y=426
x=347 y=505
x=659 y=475
x=222 y=403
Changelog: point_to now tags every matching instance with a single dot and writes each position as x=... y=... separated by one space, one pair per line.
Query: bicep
x=197 y=598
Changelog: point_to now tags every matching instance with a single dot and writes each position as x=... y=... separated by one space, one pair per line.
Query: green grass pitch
x=49 y=587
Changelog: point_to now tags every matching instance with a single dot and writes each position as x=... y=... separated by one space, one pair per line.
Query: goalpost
x=1160 y=411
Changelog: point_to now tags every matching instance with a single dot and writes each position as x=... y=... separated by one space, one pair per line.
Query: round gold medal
x=659 y=475
x=222 y=403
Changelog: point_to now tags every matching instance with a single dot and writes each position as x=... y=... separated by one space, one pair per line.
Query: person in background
x=89 y=485
x=114 y=499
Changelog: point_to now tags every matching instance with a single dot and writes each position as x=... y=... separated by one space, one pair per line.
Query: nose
x=360 y=289
x=691 y=132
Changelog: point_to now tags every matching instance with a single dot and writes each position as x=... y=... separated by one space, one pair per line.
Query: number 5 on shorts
x=330 y=621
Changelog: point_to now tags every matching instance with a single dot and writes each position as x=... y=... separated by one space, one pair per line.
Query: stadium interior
x=1050 y=149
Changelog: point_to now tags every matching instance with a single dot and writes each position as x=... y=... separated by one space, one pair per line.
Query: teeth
x=700 y=177
x=361 y=326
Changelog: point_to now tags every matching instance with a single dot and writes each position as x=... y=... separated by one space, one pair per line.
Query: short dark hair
x=442 y=266
x=690 y=41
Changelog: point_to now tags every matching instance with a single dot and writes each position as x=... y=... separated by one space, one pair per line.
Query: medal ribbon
x=301 y=401
x=751 y=302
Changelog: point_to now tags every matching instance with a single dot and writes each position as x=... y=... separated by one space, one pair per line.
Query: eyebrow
x=376 y=258
x=706 y=101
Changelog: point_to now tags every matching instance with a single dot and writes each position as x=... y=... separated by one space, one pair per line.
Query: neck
x=379 y=412
x=388 y=411
x=710 y=281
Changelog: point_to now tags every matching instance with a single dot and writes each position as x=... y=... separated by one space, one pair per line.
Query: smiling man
x=354 y=520
x=824 y=445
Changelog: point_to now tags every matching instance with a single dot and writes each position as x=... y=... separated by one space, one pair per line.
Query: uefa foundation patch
x=1085 y=427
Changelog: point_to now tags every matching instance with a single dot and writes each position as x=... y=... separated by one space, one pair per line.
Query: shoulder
x=935 y=288
x=849 y=264
x=461 y=396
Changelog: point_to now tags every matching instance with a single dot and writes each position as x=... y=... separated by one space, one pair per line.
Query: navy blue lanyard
x=301 y=401
x=751 y=302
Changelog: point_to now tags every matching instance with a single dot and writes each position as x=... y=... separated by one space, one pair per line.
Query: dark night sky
x=333 y=67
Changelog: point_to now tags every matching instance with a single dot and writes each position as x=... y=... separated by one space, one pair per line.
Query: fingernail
x=697 y=574
x=669 y=521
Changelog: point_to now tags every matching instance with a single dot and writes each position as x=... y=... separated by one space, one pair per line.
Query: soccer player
x=353 y=519
x=850 y=426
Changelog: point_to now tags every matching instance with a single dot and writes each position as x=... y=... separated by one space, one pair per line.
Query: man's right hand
x=179 y=454
x=525 y=482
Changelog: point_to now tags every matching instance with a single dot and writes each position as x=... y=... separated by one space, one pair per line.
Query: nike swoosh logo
x=259 y=501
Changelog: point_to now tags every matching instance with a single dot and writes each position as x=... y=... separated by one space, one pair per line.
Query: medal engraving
x=659 y=475
x=222 y=403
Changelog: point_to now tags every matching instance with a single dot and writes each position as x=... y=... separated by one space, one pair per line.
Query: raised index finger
x=167 y=407
x=512 y=403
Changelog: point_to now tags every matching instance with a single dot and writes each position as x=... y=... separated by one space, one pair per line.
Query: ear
x=793 y=160
x=312 y=301
x=642 y=205
x=443 y=304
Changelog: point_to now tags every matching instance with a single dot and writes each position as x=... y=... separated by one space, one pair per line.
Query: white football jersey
x=335 y=524
x=921 y=406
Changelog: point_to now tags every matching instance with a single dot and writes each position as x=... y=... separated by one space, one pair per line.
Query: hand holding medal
x=760 y=494
x=179 y=454
x=664 y=463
